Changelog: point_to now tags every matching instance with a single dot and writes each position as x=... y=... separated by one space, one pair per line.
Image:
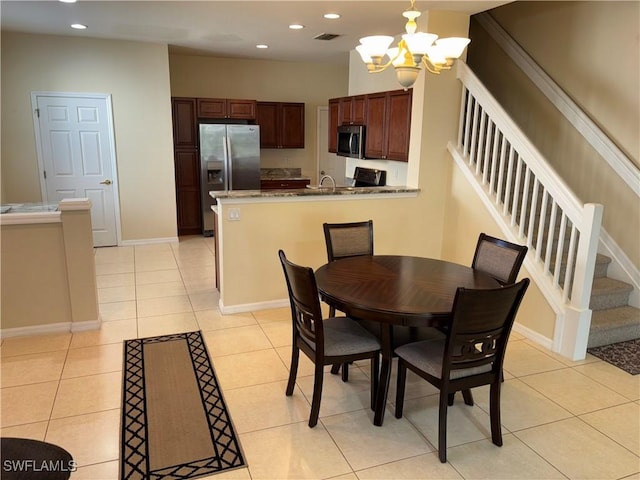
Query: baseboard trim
x=249 y=307
x=86 y=325
x=533 y=336
x=62 y=327
x=51 y=328
x=148 y=241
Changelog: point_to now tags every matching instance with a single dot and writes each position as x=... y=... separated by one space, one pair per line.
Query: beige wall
x=310 y=83
x=591 y=50
x=568 y=39
x=137 y=76
x=252 y=272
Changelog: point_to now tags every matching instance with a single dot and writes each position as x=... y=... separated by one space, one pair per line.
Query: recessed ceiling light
x=68 y=1
x=331 y=16
x=296 y=26
x=262 y=46
x=78 y=26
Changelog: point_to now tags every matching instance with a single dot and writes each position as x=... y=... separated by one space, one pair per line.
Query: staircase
x=612 y=320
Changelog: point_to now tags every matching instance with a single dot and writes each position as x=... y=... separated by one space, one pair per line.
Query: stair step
x=614 y=325
x=609 y=293
x=600 y=271
x=602 y=264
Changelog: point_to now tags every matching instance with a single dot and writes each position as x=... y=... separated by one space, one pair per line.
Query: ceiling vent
x=326 y=36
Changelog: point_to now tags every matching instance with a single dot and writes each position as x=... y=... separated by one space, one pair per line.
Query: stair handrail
x=592 y=133
x=499 y=161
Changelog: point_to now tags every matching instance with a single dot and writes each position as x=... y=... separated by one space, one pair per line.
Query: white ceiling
x=228 y=28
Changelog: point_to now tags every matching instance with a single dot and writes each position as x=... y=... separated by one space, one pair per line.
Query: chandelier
x=414 y=50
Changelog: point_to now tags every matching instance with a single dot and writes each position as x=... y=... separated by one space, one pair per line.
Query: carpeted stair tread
x=609 y=293
x=614 y=325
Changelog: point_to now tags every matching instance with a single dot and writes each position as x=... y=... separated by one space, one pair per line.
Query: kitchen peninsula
x=252 y=225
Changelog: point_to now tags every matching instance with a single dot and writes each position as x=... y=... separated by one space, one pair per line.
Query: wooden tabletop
x=400 y=290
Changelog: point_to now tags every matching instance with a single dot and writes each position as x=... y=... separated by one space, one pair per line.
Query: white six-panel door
x=76 y=154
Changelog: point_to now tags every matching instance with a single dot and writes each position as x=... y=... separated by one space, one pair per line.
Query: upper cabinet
x=281 y=124
x=184 y=122
x=352 y=110
x=386 y=117
x=388 y=125
x=226 y=108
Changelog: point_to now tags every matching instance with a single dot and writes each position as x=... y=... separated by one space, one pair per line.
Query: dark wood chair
x=345 y=240
x=471 y=354
x=334 y=340
x=498 y=258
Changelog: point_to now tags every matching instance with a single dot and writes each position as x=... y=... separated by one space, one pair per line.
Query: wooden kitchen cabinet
x=186 y=165
x=188 y=203
x=278 y=184
x=388 y=123
x=334 y=107
x=352 y=110
x=184 y=122
x=217 y=108
x=281 y=124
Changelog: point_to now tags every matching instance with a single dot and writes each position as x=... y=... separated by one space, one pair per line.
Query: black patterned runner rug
x=624 y=355
x=175 y=424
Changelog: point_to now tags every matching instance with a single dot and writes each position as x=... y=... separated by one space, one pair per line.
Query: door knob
x=106 y=182
x=322 y=172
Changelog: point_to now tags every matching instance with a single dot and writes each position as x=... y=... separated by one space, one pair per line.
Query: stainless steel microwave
x=351 y=141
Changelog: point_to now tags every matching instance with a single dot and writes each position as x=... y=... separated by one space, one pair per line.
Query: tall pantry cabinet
x=187 y=166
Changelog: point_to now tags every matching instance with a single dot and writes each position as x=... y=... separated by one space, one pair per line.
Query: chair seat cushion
x=343 y=336
x=427 y=356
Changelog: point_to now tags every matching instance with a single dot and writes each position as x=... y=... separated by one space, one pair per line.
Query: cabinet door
x=358 y=104
x=183 y=111
x=344 y=111
x=398 y=125
x=267 y=119
x=334 y=105
x=375 y=133
x=292 y=125
x=212 y=107
x=187 y=173
x=244 y=109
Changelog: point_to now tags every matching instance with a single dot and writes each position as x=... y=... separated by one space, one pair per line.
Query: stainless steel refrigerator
x=229 y=160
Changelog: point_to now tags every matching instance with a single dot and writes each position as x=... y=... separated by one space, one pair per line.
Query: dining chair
x=470 y=355
x=345 y=240
x=498 y=258
x=334 y=340
x=348 y=239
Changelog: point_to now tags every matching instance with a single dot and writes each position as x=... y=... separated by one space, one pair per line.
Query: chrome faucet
x=324 y=177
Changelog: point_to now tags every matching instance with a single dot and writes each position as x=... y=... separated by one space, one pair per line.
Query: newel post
x=577 y=322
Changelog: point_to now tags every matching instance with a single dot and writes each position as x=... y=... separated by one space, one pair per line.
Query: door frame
x=106 y=97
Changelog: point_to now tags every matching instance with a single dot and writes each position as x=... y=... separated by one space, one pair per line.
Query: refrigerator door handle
x=227 y=158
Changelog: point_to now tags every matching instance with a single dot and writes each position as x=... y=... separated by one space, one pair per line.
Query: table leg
x=385 y=373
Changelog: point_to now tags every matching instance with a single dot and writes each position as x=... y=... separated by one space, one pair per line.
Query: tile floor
x=561 y=419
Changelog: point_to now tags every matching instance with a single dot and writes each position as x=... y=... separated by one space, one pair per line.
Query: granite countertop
x=282 y=174
x=309 y=192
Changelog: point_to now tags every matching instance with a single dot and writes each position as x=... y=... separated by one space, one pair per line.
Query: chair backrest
x=498 y=258
x=305 y=303
x=480 y=327
x=348 y=239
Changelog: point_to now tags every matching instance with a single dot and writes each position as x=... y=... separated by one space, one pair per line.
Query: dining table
x=399 y=293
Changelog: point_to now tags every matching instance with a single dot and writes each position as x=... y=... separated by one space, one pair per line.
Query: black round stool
x=26 y=459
